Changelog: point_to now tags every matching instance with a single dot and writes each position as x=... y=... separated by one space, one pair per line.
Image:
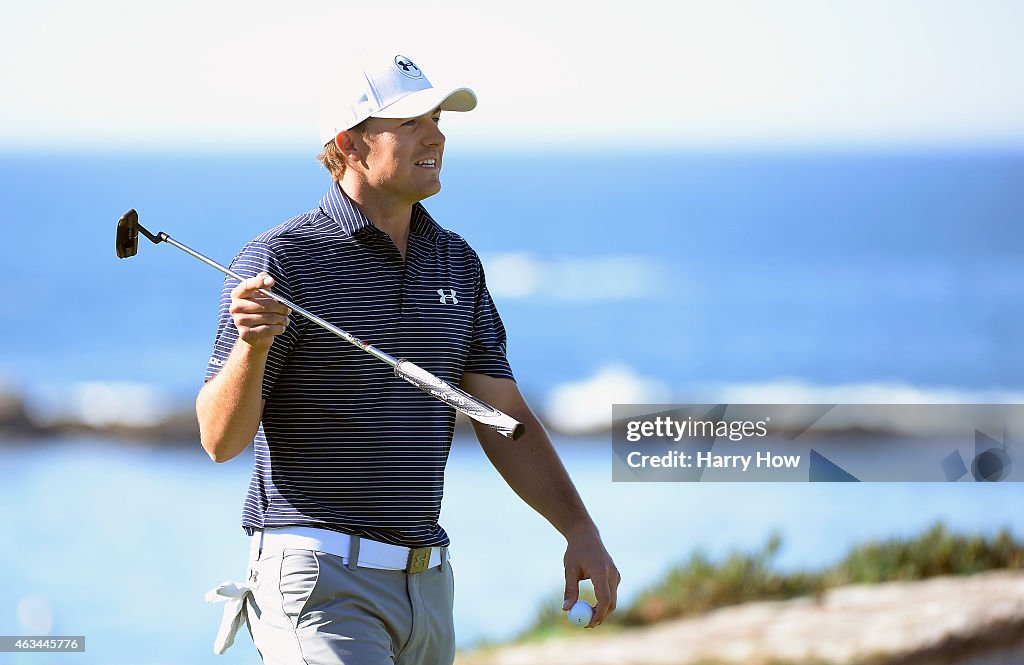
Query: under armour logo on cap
x=408 y=67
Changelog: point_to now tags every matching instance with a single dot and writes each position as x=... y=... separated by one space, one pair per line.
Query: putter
x=128 y=229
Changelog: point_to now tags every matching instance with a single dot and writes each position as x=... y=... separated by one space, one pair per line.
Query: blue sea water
x=828 y=267
x=120 y=544
x=831 y=268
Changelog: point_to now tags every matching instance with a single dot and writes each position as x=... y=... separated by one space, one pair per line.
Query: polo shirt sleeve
x=254 y=258
x=487 y=348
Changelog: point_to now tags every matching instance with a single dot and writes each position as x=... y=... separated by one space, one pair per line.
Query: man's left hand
x=587 y=559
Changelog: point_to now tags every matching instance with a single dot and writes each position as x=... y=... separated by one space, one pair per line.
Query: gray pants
x=310 y=608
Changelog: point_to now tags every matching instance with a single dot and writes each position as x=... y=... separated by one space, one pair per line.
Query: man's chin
x=430 y=191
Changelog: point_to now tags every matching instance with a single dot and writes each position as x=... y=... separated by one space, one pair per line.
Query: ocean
x=688 y=270
x=120 y=543
x=629 y=277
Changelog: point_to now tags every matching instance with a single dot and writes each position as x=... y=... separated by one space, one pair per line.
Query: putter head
x=128 y=234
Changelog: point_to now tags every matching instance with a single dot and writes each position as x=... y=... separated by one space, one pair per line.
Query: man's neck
x=387 y=215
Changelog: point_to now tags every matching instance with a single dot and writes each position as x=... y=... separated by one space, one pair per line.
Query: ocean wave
x=101 y=404
x=521 y=275
x=797 y=391
x=585 y=406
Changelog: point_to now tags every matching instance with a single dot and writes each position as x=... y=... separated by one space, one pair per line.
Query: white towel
x=234 y=594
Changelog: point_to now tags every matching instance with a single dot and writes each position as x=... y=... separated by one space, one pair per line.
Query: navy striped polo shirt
x=345 y=444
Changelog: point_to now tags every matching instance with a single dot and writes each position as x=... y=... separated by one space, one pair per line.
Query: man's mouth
x=427 y=163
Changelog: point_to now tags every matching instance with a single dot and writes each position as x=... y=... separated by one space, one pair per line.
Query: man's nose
x=435 y=137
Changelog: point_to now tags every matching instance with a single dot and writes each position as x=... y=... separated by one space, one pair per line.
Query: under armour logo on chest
x=448 y=298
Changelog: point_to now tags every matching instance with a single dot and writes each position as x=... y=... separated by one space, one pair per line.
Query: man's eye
x=408 y=123
x=437 y=120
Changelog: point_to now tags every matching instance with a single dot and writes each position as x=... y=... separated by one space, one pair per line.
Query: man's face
x=403 y=156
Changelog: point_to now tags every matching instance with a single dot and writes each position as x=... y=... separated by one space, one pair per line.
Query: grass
x=700 y=584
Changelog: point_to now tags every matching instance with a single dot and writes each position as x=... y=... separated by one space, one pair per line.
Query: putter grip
x=460 y=400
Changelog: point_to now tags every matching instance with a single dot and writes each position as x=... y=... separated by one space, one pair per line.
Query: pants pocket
x=300 y=571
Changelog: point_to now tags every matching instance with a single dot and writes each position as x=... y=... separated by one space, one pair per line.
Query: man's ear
x=346 y=142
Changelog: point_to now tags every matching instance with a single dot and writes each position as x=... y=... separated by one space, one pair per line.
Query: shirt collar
x=338 y=206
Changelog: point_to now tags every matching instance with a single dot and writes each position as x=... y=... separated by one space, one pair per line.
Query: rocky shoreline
x=974 y=620
x=18 y=422
x=129 y=412
x=177 y=424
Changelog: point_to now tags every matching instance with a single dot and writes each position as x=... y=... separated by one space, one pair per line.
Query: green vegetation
x=700 y=584
x=936 y=552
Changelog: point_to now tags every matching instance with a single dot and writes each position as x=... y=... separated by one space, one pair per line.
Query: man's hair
x=332 y=158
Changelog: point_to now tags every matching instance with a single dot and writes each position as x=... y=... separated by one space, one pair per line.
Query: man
x=348 y=563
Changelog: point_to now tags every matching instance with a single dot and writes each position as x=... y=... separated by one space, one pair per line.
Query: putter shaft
x=128 y=228
x=348 y=337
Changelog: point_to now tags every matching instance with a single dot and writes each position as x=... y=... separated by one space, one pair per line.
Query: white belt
x=366 y=553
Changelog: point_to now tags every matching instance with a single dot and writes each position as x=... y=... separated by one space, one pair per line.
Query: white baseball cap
x=383 y=85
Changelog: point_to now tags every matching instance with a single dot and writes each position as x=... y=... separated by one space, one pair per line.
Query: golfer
x=348 y=563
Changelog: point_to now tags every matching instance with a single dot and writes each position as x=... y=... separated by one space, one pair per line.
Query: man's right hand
x=258 y=318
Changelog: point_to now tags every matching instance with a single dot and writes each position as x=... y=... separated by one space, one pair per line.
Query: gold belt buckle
x=419 y=560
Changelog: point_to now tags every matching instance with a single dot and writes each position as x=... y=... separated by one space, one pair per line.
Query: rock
x=973 y=620
x=13 y=414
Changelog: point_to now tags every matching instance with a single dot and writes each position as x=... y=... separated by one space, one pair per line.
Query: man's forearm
x=533 y=470
x=230 y=405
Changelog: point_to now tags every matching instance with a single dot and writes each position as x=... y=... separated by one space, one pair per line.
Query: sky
x=606 y=75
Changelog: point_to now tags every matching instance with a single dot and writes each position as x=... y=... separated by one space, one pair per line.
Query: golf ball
x=581 y=613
